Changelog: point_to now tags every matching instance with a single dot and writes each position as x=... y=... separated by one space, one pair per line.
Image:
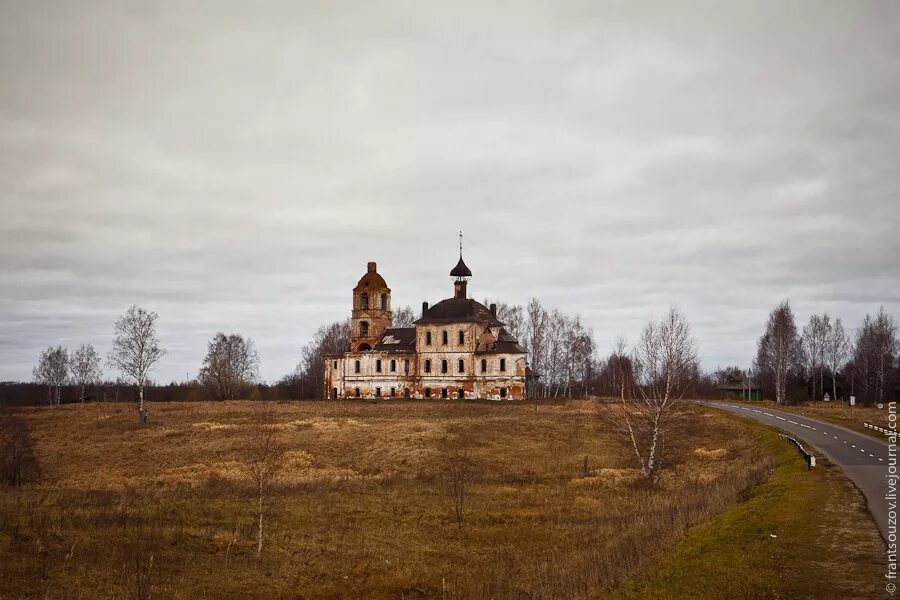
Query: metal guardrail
x=883 y=430
x=807 y=456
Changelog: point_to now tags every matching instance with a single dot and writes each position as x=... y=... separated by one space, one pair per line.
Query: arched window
x=384 y=302
x=364 y=301
x=364 y=328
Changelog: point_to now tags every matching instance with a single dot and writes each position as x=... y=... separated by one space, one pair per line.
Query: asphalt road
x=863 y=459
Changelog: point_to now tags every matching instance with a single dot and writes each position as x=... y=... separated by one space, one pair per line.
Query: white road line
x=881 y=459
x=835 y=437
x=756 y=411
x=782 y=418
x=872 y=455
x=861 y=450
x=793 y=422
x=854 y=445
x=768 y=414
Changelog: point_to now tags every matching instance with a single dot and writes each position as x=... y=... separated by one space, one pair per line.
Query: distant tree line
x=794 y=364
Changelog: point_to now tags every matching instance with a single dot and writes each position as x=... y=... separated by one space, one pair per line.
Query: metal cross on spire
x=460 y=243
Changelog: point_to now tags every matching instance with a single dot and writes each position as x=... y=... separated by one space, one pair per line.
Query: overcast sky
x=234 y=166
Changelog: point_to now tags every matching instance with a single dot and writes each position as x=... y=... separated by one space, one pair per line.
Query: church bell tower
x=371 y=313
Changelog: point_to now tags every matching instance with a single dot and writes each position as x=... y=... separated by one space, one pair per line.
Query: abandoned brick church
x=457 y=349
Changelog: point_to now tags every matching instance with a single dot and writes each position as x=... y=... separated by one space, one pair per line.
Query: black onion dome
x=460 y=270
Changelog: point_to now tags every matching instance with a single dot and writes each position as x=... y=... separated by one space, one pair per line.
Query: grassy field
x=360 y=511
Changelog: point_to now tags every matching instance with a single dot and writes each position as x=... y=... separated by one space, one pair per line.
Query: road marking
x=881 y=459
x=861 y=450
x=768 y=414
x=756 y=411
x=872 y=455
x=782 y=418
x=835 y=437
x=845 y=441
x=854 y=445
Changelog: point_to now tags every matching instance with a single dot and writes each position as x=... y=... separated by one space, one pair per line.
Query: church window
x=393 y=392
x=503 y=392
x=393 y=366
x=427 y=338
x=428 y=392
x=384 y=302
x=461 y=366
x=428 y=365
x=461 y=393
x=378 y=391
x=462 y=337
x=356 y=392
x=406 y=393
x=502 y=364
x=364 y=328
x=378 y=366
x=364 y=301
x=444 y=366
x=444 y=338
x=334 y=366
x=443 y=392
x=484 y=365
x=406 y=367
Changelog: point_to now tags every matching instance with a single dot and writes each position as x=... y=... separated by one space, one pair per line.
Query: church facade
x=458 y=348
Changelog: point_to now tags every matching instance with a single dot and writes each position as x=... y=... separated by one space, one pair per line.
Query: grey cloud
x=233 y=167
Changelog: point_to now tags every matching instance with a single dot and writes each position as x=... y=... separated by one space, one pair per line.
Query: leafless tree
x=404 y=317
x=455 y=479
x=837 y=350
x=263 y=459
x=136 y=349
x=779 y=349
x=310 y=373
x=86 y=367
x=874 y=355
x=52 y=370
x=814 y=341
x=666 y=364
x=230 y=365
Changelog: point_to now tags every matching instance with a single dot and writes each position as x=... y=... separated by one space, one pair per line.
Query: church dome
x=460 y=270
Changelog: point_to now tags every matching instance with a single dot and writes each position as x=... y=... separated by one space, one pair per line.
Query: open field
x=839 y=413
x=360 y=510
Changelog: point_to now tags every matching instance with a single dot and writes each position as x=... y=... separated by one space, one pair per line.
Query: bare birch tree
x=52 y=370
x=837 y=350
x=86 y=368
x=779 y=348
x=263 y=460
x=666 y=363
x=230 y=365
x=136 y=349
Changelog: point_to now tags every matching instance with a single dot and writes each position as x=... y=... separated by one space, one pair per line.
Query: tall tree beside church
x=875 y=356
x=837 y=350
x=404 y=317
x=333 y=338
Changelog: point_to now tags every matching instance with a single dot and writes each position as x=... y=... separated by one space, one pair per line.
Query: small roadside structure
x=740 y=389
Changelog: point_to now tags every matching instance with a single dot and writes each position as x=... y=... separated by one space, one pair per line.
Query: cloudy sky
x=234 y=166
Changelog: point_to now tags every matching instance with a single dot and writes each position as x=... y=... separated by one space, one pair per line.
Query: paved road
x=862 y=458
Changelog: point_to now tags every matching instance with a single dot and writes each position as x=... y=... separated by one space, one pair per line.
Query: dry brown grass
x=359 y=511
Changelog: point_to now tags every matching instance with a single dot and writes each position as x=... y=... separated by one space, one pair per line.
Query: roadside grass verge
x=825 y=543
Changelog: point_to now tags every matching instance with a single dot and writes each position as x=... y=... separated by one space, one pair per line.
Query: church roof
x=397 y=339
x=460 y=270
x=458 y=310
x=505 y=343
